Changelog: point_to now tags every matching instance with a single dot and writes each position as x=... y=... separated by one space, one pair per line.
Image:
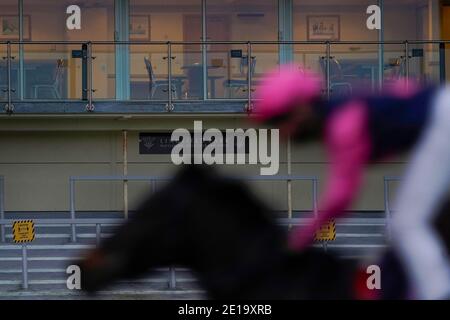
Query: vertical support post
x=442 y=75
x=289 y=181
x=98 y=233
x=125 y=174
x=24 y=267
x=172 y=278
x=387 y=208
x=84 y=72
x=2 y=208
x=72 y=208
x=90 y=106
x=315 y=201
x=328 y=76
x=316 y=207
x=248 y=107
x=407 y=64
x=153 y=182
x=169 y=105
x=381 y=48
x=204 y=52
x=9 y=107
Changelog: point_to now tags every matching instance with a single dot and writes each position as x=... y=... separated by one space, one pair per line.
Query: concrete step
x=60 y=273
x=142 y=294
x=52 y=251
x=16 y=285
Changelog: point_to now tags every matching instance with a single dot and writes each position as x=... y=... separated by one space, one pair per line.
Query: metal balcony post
x=72 y=209
x=169 y=105
x=9 y=107
x=90 y=106
x=328 y=78
x=249 y=105
x=407 y=64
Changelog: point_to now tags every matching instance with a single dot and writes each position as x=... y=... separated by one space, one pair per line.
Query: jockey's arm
x=348 y=146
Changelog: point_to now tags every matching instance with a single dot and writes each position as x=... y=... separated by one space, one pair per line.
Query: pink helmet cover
x=285 y=88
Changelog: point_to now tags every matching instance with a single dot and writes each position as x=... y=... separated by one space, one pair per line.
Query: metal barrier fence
x=172 y=278
x=387 y=206
x=249 y=48
x=37 y=222
x=2 y=207
x=154 y=179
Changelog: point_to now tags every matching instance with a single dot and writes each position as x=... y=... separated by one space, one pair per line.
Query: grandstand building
x=102 y=100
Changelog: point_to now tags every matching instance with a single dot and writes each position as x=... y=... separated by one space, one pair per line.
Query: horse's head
x=201 y=220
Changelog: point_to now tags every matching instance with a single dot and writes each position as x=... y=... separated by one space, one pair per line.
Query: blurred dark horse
x=216 y=227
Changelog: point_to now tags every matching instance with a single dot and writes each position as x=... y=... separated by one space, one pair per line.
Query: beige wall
x=38 y=157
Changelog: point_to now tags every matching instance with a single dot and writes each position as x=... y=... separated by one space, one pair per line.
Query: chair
x=158 y=88
x=55 y=86
x=338 y=84
x=396 y=69
x=236 y=85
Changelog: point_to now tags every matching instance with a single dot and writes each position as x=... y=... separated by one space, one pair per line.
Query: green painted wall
x=38 y=155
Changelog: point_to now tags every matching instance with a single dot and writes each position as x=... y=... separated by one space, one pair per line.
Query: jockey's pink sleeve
x=348 y=146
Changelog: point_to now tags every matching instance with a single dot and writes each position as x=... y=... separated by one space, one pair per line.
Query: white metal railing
x=154 y=179
x=172 y=278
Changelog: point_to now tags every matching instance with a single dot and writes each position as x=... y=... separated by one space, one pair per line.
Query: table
x=195 y=76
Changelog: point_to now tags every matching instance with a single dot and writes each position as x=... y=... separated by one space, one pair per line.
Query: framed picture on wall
x=326 y=27
x=140 y=28
x=9 y=27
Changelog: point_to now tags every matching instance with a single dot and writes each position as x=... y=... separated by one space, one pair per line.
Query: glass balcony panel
x=104 y=72
x=425 y=63
x=353 y=69
x=187 y=72
x=149 y=73
x=3 y=73
x=227 y=71
x=162 y=20
x=52 y=72
x=310 y=57
x=265 y=58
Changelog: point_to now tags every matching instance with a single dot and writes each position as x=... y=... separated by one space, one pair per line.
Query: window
x=9 y=30
x=239 y=20
x=353 y=67
x=50 y=72
x=164 y=20
x=409 y=20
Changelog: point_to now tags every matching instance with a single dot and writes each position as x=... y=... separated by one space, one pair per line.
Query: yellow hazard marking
x=327 y=232
x=23 y=231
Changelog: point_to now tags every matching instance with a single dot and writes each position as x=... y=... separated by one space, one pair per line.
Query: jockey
x=361 y=129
